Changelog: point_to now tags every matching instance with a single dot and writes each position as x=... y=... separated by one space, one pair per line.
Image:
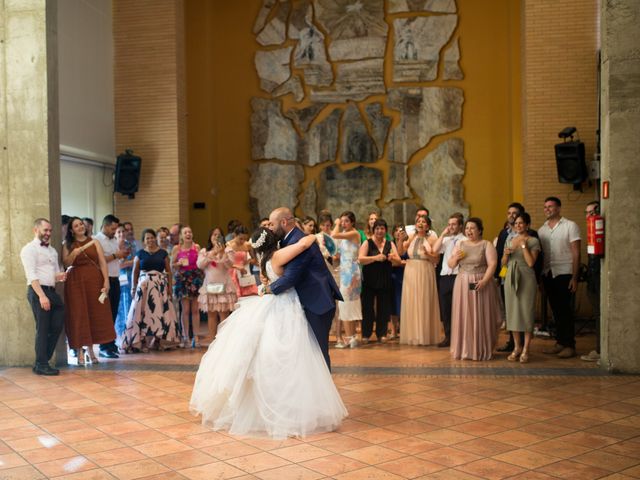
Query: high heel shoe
x=80 y=355
x=514 y=356
x=524 y=357
x=90 y=356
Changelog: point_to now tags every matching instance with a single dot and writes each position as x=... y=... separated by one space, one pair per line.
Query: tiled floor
x=413 y=414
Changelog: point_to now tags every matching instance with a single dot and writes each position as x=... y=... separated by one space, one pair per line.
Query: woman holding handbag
x=239 y=252
x=87 y=309
x=218 y=293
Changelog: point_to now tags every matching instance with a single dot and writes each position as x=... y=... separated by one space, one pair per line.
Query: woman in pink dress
x=187 y=282
x=239 y=253
x=476 y=313
x=218 y=293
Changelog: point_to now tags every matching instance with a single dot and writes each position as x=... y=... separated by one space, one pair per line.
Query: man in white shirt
x=42 y=269
x=451 y=235
x=560 y=240
x=112 y=255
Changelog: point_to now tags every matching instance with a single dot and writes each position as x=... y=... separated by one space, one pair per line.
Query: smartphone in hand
x=473 y=286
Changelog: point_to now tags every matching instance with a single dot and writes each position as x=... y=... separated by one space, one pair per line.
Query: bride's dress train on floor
x=264 y=375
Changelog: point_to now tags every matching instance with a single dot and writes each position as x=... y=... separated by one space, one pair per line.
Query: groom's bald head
x=281 y=222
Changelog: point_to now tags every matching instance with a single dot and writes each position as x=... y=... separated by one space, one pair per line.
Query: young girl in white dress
x=264 y=375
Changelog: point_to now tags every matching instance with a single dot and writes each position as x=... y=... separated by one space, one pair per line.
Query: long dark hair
x=69 y=238
x=209 y=242
x=267 y=248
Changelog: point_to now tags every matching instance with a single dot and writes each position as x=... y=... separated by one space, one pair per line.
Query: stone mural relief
x=273 y=185
x=452 y=70
x=356 y=190
x=357 y=28
x=272 y=135
x=273 y=67
x=357 y=145
x=275 y=32
x=418 y=41
x=354 y=81
x=380 y=124
x=439 y=6
x=327 y=57
x=321 y=143
x=437 y=179
x=424 y=113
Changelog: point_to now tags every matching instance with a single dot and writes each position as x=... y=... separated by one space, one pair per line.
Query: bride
x=265 y=374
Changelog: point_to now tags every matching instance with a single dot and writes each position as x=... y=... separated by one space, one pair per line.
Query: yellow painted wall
x=221 y=79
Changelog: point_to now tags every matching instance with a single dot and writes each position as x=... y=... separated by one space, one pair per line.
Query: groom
x=310 y=276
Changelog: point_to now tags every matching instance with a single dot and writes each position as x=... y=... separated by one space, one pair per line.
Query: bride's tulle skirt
x=264 y=375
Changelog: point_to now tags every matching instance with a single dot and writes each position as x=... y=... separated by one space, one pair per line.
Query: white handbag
x=246 y=280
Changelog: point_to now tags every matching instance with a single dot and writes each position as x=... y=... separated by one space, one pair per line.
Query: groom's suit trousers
x=321 y=324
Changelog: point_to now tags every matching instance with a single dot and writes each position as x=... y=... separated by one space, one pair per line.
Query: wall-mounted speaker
x=127 y=177
x=570 y=162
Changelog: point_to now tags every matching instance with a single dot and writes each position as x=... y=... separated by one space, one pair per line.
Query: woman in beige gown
x=420 y=312
x=476 y=306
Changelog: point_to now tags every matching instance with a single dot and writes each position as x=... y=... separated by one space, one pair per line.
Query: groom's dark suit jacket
x=309 y=274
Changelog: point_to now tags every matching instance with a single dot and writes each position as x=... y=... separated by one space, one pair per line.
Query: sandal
x=514 y=356
x=524 y=357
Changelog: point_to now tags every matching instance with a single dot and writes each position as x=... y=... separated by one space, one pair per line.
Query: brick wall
x=150 y=107
x=559 y=81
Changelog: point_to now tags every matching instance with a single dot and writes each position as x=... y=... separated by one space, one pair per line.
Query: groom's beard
x=279 y=233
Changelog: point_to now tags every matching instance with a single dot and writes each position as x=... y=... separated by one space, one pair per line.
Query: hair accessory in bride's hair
x=261 y=239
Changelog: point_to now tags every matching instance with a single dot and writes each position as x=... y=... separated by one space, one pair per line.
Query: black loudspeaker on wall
x=570 y=162
x=127 y=174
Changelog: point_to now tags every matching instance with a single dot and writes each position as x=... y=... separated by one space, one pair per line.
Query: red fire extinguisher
x=595 y=235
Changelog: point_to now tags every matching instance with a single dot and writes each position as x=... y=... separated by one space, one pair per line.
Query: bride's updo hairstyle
x=265 y=243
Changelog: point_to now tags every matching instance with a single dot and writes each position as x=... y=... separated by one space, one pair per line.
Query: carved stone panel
x=300 y=18
x=380 y=124
x=356 y=190
x=354 y=81
x=261 y=19
x=293 y=86
x=320 y=144
x=452 y=70
x=356 y=28
x=308 y=200
x=302 y=117
x=272 y=135
x=399 y=212
x=273 y=67
x=274 y=185
x=275 y=32
x=437 y=180
x=439 y=6
x=357 y=145
x=310 y=56
x=418 y=41
x=424 y=113
x=397 y=187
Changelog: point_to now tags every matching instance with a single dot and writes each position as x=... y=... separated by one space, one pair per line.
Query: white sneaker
x=592 y=356
x=353 y=343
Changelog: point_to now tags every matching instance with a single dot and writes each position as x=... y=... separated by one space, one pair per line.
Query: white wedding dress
x=264 y=375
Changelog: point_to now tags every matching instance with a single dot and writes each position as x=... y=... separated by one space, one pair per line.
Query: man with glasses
x=593 y=287
x=560 y=240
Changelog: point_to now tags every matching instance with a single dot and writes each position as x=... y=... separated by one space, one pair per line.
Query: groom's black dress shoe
x=45 y=370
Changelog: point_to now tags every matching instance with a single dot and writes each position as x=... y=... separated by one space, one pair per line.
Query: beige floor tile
x=137 y=469
x=449 y=456
x=374 y=455
x=65 y=466
x=182 y=460
x=116 y=456
x=296 y=472
x=257 y=462
x=491 y=469
x=333 y=465
x=411 y=467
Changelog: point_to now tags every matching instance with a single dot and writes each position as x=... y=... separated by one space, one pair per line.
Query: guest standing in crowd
x=327 y=246
x=309 y=226
x=218 y=293
x=476 y=314
x=397 y=276
x=187 y=283
x=42 y=270
x=174 y=236
x=376 y=255
x=451 y=235
x=88 y=313
x=88 y=225
x=239 y=252
x=126 y=266
x=152 y=321
x=112 y=255
x=163 y=238
x=349 y=310
x=520 y=286
x=560 y=240
x=420 y=315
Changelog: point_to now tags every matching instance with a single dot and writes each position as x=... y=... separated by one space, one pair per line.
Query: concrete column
x=620 y=30
x=29 y=157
